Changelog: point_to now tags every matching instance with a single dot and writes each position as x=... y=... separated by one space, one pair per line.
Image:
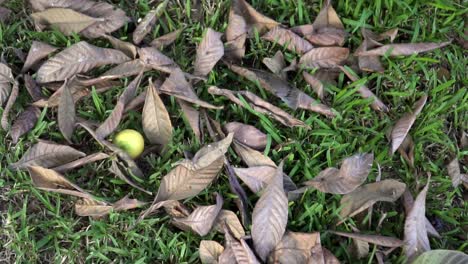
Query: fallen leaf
x=97 y=209
x=383 y=241
x=47 y=155
x=126 y=47
x=408 y=202
x=453 y=170
x=192 y=116
x=270 y=216
x=254 y=20
x=351 y=175
x=247 y=135
x=166 y=40
x=113 y=120
x=229 y=218
x=416 y=240
x=78 y=58
x=404 y=124
x=252 y=157
x=177 y=86
x=81 y=162
x=153 y=58
x=328 y=257
x=236 y=35
x=24 y=123
x=240 y=249
x=258 y=177
x=298 y=248
x=258 y=105
x=109 y=18
x=147 y=23
x=289 y=39
x=119 y=170
x=327 y=36
x=11 y=101
x=32 y=87
x=369 y=63
x=6 y=80
x=209 y=52
x=38 y=51
x=441 y=256
x=325 y=57
x=276 y=65
x=406 y=150
x=406 y=49
x=358 y=248
x=367 y=195
x=66 y=113
x=176 y=209
x=327 y=17
x=227 y=257
x=241 y=201
x=202 y=219
x=210 y=251
x=65 y=20
x=155 y=118
x=315 y=83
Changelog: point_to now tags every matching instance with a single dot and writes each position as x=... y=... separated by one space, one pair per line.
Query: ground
x=40 y=227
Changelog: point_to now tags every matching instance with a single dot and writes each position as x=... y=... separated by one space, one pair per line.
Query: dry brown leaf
x=192 y=116
x=258 y=177
x=209 y=52
x=297 y=248
x=153 y=58
x=4 y=14
x=119 y=170
x=202 y=219
x=229 y=218
x=32 y=87
x=67 y=21
x=11 y=101
x=6 y=80
x=126 y=47
x=328 y=257
x=66 y=112
x=325 y=57
x=289 y=39
x=270 y=216
x=97 y=209
x=276 y=65
x=254 y=20
x=166 y=40
x=259 y=105
x=358 y=248
x=81 y=162
x=47 y=155
x=351 y=175
x=227 y=257
x=406 y=150
x=38 y=51
x=155 y=118
x=416 y=240
x=247 y=135
x=327 y=36
x=383 y=241
x=327 y=17
x=240 y=249
x=404 y=124
x=210 y=251
x=315 y=83
x=408 y=202
x=78 y=58
x=24 y=123
x=405 y=49
x=453 y=170
x=367 y=195
x=236 y=35
x=252 y=157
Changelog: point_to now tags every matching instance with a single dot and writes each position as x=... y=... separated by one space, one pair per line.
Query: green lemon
x=131 y=141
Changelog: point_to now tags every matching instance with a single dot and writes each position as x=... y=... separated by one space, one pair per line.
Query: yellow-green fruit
x=131 y=141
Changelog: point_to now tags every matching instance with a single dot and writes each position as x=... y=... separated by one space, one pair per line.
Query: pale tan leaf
x=240 y=249
x=227 y=257
x=404 y=124
x=155 y=118
x=24 y=123
x=6 y=80
x=408 y=202
x=315 y=83
x=453 y=170
x=210 y=251
x=81 y=162
x=383 y=241
x=153 y=58
x=442 y=256
x=325 y=57
x=367 y=195
x=405 y=49
x=209 y=52
x=297 y=248
x=166 y=40
x=38 y=51
x=247 y=135
x=270 y=216
x=47 y=155
x=78 y=58
x=276 y=65
x=65 y=20
x=4 y=14
x=66 y=113
x=202 y=219
x=92 y=208
x=252 y=157
x=289 y=39
x=416 y=240
x=229 y=218
x=327 y=17
x=236 y=35
x=358 y=248
x=351 y=175
x=192 y=116
x=126 y=47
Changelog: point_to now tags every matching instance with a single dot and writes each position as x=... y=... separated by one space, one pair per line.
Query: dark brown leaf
x=351 y=175
x=147 y=23
x=383 y=241
x=404 y=124
x=81 y=162
x=66 y=113
x=247 y=135
x=210 y=251
x=32 y=87
x=38 y=51
x=406 y=150
x=326 y=57
x=167 y=39
x=209 y=52
x=297 y=248
x=406 y=49
x=289 y=39
x=24 y=123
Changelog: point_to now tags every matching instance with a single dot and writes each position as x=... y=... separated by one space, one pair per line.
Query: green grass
x=41 y=227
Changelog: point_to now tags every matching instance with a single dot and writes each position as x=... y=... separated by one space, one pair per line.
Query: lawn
x=42 y=227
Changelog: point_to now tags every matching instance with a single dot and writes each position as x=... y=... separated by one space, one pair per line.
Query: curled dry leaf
x=276 y=65
x=247 y=135
x=190 y=177
x=270 y=216
x=369 y=63
x=367 y=195
x=78 y=58
x=406 y=150
x=406 y=49
x=325 y=57
x=47 y=155
x=286 y=37
x=258 y=177
x=258 y=105
x=24 y=123
x=453 y=170
x=327 y=36
x=52 y=181
x=236 y=35
x=241 y=201
x=202 y=219
x=119 y=170
x=351 y=175
x=11 y=101
x=292 y=96
x=192 y=116
x=126 y=47
x=38 y=51
x=98 y=209
x=66 y=112
x=155 y=118
x=153 y=58
x=383 y=241
x=240 y=249
x=67 y=21
x=252 y=157
x=315 y=83
x=6 y=79
x=442 y=256
x=81 y=162
x=327 y=17
x=365 y=92
x=298 y=248
x=177 y=86
x=166 y=40
x=416 y=240
x=229 y=219
x=32 y=87
x=209 y=52
x=147 y=23
x=408 y=202
x=254 y=20
x=210 y=251
x=404 y=124
x=108 y=17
